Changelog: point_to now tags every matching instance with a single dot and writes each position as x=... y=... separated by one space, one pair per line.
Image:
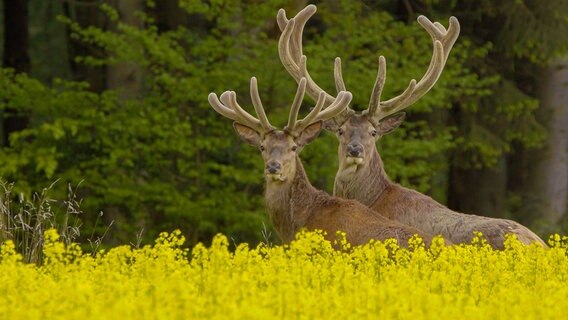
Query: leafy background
x=115 y=103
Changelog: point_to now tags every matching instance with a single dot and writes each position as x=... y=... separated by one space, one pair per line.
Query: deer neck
x=365 y=184
x=288 y=203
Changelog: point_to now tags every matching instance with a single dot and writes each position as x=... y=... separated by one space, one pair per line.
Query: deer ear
x=309 y=133
x=389 y=124
x=249 y=135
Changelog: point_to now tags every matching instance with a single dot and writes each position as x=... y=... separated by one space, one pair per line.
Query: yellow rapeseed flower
x=310 y=278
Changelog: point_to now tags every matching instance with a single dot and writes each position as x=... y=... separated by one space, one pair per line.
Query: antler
x=229 y=108
x=290 y=51
x=443 y=41
x=340 y=103
x=293 y=59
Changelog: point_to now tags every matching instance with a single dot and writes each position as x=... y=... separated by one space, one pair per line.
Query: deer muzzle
x=273 y=170
x=355 y=150
x=354 y=154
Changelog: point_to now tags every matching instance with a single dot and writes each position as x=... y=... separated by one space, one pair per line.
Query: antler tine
x=281 y=19
x=438 y=32
x=337 y=74
x=221 y=108
x=443 y=42
x=295 y=108
x=285 y=53
x=301 y=18
x=427 y=82
x=315 y=111
x=440 y=27
x=250 y=120
x=336 y=108
x=228 y=107
x=378 y=87
x=386 y=110
x=257 y=103
x=290 y=49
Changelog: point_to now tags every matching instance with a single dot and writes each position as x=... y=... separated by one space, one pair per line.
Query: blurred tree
x=535 y=32
x=88 y=14
x=154 y=155
x=545 y=191
x=16 y=57
x=168 y=16
x=529 y=40
x=126 y=76
x=489 y=168
x=48 y=41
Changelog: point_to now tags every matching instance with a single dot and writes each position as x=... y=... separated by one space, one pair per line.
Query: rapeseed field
x=307 y=279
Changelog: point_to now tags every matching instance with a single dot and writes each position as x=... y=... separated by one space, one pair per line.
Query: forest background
x=104 y=102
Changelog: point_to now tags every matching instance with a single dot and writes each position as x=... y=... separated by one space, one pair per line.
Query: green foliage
x=166 y=160
x=541 y=37
x=518 y=36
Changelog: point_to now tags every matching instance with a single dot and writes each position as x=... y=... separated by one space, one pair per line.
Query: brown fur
x=361 y=175
x=297 y=204
x=291 y=201
x=293 y=204
x=369 y=184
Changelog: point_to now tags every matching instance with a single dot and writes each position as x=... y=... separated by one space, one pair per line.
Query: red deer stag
x=361 y=175
x=291 y=201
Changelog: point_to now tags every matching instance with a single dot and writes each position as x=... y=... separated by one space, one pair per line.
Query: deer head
x=279 y=148
x=359 y=131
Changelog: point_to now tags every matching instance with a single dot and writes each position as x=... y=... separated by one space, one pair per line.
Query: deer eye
x=294 y=148
x=261 y=148
x=374 y=133
x=340 y=131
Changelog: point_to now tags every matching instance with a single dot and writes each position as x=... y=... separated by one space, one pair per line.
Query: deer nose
x=354 y=150
x=273 y=167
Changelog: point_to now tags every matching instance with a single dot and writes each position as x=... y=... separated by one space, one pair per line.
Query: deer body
x=370 y=185
x=296 y=204
x=361 y=175
x=292 y=202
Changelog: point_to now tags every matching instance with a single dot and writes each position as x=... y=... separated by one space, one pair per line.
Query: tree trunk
x=546 y=190
x=126 y=77
x=16 y=56
x=169 y=16
x=438 y=119
x=479 y=191
x=85 y=13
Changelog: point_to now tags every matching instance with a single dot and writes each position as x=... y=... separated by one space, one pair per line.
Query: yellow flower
x=309 y=278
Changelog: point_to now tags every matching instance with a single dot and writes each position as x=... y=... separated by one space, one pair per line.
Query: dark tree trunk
x=126 y=77
x=545 y=197
x=85 y=13
x=439 y=118
x=479 y=191
x=169 y=16
x=16 y=57
x=16 y=35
